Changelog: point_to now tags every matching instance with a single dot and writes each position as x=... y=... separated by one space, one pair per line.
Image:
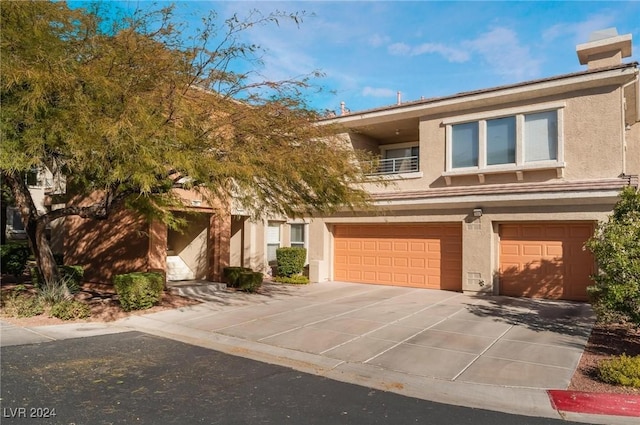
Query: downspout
x=624 y=124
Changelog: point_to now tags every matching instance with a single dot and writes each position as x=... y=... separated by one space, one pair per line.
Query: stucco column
x=219 y=240
x=477 y=255
x=157 y=255
x=319 y=251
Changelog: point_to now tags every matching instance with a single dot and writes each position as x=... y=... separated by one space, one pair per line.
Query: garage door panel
x=385 y=246
x=401 y=278
x=532 y=231
x=418 y=263
x=400 y=262
x=509 y=249
x=369 y=275
x=419 y=247
x=369 y=261
x=417 y=280
x=552 y=232
x=401 y=247
x=354 y=246
x=553 y=251
x=545 y=260
x=368 y=246
x=534 y=250
x=384 y=277
x=407 y=255
x=341 y=244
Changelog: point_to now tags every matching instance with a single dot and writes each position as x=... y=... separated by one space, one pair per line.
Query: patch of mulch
x=103 y=301
x=606 y=341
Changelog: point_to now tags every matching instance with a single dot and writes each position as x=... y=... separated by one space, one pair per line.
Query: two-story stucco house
x=494 y=190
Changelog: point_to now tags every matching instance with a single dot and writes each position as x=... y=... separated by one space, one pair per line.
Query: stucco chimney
x=605 y=48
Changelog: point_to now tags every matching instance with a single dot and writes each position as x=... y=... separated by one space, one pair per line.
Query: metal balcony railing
x=407 y=164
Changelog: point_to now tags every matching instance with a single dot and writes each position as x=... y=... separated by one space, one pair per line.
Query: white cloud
x=378 y=92
x=579 y=31
x=399 y=49
x=377 y=40
x=501 y=49
x=451 y=54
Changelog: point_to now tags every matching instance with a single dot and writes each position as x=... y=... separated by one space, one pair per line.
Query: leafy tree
x=616 y=246
x=130 y=108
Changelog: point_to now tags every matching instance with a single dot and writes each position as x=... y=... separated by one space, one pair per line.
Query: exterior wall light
x=477 y=212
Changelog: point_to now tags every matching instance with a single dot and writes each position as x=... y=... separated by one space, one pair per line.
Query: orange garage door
x=546 y=260
x=418 y=255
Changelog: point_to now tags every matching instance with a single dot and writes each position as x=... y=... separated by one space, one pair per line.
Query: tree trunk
x=3 y=223
x=35 y=227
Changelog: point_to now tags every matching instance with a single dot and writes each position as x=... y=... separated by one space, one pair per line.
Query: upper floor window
x=518 y=138
x=541 y=136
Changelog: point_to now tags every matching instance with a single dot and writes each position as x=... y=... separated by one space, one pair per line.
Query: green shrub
x=70 y=309
x=232 y=275
x=623 y=370
x=297 y=279
x=72 y=275
x=616 y=293
x=21 y=304
x=250 y=281
x=290 y=260
x=14 y=257
x=139 y=291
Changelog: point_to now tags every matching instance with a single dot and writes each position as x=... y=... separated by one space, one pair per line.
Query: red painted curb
x=595 y=403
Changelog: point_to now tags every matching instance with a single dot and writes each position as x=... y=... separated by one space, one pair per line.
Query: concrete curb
x=595 y=403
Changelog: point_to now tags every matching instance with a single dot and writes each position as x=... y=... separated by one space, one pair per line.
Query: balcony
x=389 y=166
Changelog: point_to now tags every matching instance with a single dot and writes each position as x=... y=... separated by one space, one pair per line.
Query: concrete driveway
x=484 y=352
x=449 y=336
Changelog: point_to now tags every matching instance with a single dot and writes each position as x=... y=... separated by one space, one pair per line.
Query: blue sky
x=370 y=50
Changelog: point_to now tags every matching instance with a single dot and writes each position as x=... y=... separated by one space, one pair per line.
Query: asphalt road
x=135 y=378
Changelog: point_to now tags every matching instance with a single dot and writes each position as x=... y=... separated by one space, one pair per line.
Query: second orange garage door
x=546 y=260
x=417 y=255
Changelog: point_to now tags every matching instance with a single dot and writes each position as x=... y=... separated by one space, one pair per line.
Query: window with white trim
x=273 y=241
x=297 y=235
x=541 y=136
x=505 y=140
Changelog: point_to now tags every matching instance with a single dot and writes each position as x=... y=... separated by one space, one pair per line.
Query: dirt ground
x=606 y=340
x=103 y=302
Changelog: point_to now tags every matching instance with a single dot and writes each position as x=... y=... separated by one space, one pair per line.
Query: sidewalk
x=434 y=345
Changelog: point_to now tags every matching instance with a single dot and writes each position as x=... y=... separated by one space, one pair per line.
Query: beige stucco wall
x=236 y=250
x=190 y=243
x=592 y=133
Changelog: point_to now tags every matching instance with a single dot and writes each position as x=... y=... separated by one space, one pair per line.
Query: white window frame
x=293 y=243
x=520 y=165
x=269 y=242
